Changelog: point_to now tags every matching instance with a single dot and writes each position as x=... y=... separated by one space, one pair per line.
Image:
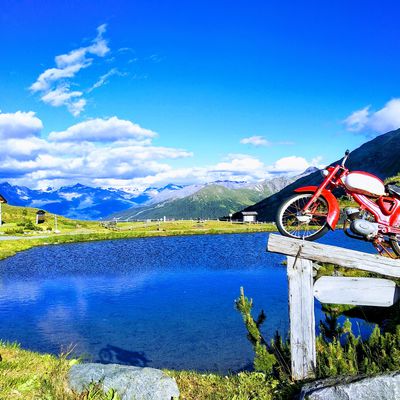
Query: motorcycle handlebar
x=346 y=156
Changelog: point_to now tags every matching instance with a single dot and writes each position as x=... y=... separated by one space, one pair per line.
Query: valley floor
x=11 y=243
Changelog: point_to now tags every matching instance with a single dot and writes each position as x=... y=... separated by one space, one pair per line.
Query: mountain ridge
x=209 y=201
x=379 y=156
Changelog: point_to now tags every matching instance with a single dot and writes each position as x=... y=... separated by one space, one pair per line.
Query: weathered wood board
x=335 y=255
x=357 y=291
x=302 y=319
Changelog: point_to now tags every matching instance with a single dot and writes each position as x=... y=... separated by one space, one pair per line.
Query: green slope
x=17 y=220
x=212 y=201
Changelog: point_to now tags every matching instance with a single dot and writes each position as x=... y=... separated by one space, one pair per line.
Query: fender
x=334 y=210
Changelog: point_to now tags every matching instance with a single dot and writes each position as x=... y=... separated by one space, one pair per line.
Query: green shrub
x=271 y=358
x=13 y=231
x=29 y=226
x=339 y=350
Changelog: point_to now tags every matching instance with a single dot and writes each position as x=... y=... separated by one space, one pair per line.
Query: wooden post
x=302 y=320
x=300 y=255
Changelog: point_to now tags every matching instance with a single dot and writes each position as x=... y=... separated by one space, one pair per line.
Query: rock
x=382 y=387
x=131 y=383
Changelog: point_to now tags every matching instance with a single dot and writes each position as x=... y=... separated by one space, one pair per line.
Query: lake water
x=159 y=302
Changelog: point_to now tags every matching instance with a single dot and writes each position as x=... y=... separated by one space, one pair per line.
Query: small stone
x=131 y=383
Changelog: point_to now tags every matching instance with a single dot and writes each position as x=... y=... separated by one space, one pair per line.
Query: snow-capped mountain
x=85 y=202
x=77 y=201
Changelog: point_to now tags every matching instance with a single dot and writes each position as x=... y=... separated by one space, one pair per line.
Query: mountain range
x=379 y=156
x=210 y=200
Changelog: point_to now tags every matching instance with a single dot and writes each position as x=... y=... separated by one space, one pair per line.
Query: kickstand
x=382 y=249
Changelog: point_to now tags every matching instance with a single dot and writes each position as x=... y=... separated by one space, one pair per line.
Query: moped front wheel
x=291 y=221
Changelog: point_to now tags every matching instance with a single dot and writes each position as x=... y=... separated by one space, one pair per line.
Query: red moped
x=314 y=210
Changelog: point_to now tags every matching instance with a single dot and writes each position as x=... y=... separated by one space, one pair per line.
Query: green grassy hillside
x=211 y=202
x=22 y=220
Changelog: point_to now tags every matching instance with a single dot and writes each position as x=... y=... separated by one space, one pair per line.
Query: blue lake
x=159 y=302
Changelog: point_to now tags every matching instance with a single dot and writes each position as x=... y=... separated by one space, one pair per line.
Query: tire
x=287 y=219
x=395 y=245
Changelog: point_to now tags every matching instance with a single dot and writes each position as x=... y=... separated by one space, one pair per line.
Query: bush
x=271 y=358
x=29 y=226
x=339 y=350
x=14 y=231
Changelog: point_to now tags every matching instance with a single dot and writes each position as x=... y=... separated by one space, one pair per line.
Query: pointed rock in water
x=131 y=383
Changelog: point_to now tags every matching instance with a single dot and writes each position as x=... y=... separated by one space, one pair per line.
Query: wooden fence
x=301 y=256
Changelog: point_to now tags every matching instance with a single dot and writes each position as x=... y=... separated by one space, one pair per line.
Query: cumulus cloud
x=19 y=125
x=53 y=83
x=95 y=149
x=102 y=130
x=255 y=141
x=236 y=167
x=290 y=165
x=375 y=122
x=114 y=152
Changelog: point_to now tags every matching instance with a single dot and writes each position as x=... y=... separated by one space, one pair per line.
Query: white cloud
x=255 y=141
x=103 y=130
x=53 y=83
x=290 y=165
x=95 y=149
x=104 y=79
x=114 y=152
x=237 y=167
x=19 y=125
x=60 y=96
x=375 y=122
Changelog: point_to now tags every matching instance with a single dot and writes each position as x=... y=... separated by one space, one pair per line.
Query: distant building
x=40 y=217
x=249 y=216
x=2 y=200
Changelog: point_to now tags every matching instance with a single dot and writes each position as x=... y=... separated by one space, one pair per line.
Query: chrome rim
x=302 y=226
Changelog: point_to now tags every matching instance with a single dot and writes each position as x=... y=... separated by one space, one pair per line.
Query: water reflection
x=161 y=302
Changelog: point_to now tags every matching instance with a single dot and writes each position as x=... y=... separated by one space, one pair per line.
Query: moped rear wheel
x=292 y=222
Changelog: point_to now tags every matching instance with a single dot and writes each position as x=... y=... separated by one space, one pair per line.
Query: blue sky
x=132 y=94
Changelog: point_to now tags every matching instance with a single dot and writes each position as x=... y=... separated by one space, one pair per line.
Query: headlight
x=324 y=172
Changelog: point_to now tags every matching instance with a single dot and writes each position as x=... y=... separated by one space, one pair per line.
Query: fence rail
x=300 y=258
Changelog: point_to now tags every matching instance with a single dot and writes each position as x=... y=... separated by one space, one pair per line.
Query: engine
x=361 y=226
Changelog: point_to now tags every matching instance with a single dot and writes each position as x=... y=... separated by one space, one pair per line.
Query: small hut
x=249 y=216
x=2 y=201
x=40 y=217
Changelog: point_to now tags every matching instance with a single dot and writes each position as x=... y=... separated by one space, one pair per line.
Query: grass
x=31 y=376
x=18 y=218
x=28 y=375
x=241 y=386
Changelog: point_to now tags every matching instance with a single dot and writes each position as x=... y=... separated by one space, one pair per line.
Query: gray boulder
x=382 y=387
x=131 y=383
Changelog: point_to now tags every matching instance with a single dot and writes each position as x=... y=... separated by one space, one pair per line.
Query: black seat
x=393 y=190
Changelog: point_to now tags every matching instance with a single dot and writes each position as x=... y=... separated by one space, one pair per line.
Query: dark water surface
x=160 y=302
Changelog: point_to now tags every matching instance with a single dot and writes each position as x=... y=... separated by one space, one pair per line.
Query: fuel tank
x=364 y=183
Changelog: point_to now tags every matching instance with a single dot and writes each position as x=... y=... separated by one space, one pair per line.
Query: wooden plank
x=357 y=291
x=335 y=255
x=302 y=320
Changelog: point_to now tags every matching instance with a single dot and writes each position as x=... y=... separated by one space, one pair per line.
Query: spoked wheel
x=395 y=244
x=292 y=222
